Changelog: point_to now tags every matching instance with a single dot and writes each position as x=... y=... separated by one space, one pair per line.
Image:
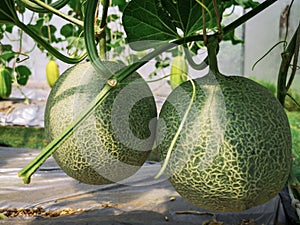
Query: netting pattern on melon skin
x=93 y=154
x=251 y=163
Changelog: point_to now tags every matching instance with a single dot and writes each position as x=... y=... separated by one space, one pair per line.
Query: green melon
x=234 y=149
x=114 y=142
x=5 y=82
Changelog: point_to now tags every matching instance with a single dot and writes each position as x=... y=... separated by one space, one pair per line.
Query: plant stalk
x=212 y=46
x=102 y=37
x=58 y=13
x=58 y=4
x=286 y=58
x=49 y=48
x=295 y=61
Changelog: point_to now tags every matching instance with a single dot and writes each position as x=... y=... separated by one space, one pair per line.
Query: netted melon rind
x=234 y=151
x=94 y=153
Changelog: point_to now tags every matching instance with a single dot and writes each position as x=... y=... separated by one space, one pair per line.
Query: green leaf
x=147 y=20
x=8 y=12
x=7 y=56
x=165 y=20
x=67 y=30
x=23 y=73
x=187 y=14
x=75 y=42
x=37 y=26
x=7 y=53
x=20 y=7
x=120 y=3
x=5 y=48
x=77 y=8
x=9 y=28
x=45 y=32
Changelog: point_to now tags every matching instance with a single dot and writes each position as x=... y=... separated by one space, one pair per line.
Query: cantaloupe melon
x=114 y=142
x=234 y=150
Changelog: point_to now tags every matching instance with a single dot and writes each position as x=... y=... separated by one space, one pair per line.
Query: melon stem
x=212 y=46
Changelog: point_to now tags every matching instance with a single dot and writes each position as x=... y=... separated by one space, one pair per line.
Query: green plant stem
x=174 y=140
x=286 y=58
x=102 y=45
x=198 y=66
x=49 y=48
x=55 y=11
x=102 y=37
x=212 y=46
x=267 y=53
x=104 y=14
x=295 y=61
x=89 y=37
x=37 y=8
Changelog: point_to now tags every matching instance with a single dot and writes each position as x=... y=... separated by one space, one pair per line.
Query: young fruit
x=113 y=142
x=179 y=71
x=5 y=83
x=52 y=72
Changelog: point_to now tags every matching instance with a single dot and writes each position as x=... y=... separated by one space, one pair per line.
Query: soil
x=36 y=212
x=39 y=211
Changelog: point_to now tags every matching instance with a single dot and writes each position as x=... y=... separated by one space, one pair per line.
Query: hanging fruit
x=5 y=83
x=52 y=72
x=179 y=71
x=110 y=145
x=233 y=151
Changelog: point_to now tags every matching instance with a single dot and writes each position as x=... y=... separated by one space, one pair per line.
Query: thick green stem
x=197 y=66
x=89 y=37
x=286 y=58
x=104 y=14
x=295 y=61
x=212 y=46
x=102 y=37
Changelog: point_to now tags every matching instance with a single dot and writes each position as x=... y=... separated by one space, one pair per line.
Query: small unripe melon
x=116 y=139
x=234 y=149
